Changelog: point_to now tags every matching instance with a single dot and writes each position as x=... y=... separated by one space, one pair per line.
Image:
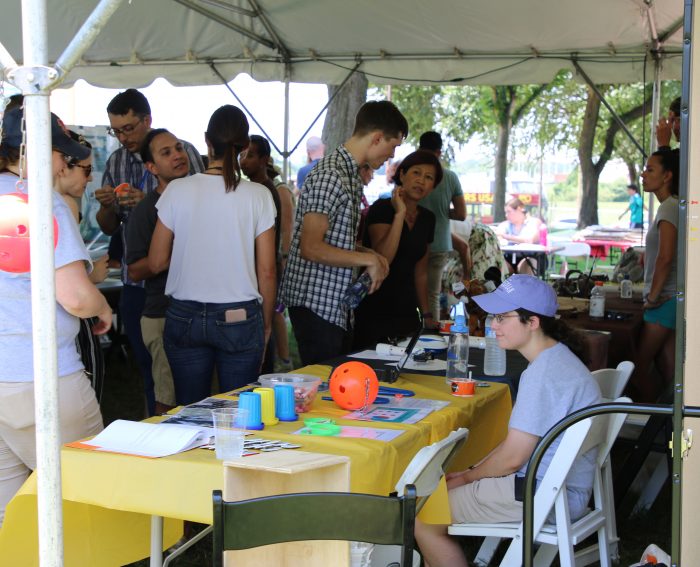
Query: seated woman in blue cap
x=555 y=384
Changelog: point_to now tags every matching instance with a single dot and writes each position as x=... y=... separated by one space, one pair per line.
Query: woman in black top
x=400 y=230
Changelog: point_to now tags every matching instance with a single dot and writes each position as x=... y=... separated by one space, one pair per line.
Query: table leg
x=156 y=541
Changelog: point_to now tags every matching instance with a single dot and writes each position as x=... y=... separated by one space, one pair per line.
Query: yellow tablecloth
x=109 y=498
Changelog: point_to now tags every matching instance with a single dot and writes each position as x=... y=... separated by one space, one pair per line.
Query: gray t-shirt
x=16 y=302
x=553 y=386
x=668 y=211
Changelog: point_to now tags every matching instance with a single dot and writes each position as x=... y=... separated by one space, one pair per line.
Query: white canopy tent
x=444 y=41
x=119 y=43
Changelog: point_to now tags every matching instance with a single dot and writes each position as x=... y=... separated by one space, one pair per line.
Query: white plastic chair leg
x=486 y=551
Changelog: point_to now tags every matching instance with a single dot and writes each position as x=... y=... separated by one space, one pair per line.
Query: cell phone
x=235 y=315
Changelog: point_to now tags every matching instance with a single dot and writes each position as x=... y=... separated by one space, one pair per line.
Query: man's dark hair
x=380 y=115
x=262 y=146
x=431 y=141
x=146 y=152
x=675 y=106
x=127 y=100
x=634 y=187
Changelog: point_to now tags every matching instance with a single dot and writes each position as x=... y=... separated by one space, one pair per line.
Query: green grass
x=608 y=211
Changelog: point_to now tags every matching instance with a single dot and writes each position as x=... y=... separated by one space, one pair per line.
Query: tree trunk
x=588 y=209
x=501 y=171
x=632 y=172
x=340 y=116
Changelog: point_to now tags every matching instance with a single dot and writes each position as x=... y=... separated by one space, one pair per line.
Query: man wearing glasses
x=130 y=121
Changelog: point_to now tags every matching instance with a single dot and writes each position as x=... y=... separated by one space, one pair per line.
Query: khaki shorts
x=79 y=417
x=163 y=386
x=488 y=500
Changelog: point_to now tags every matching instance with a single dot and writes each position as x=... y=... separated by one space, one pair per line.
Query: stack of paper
x=146 y=439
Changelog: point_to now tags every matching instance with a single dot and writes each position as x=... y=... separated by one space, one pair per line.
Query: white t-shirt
x=213 y=258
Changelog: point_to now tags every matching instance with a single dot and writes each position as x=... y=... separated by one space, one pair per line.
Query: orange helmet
x=14 y=233
x=354 y=385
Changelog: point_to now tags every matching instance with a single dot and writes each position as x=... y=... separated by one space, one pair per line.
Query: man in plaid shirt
x=324 y=253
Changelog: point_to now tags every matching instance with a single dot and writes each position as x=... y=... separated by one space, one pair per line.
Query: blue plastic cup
x=284 y=402
x=252 y=402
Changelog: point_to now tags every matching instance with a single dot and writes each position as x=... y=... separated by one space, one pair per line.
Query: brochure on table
x=146 y=439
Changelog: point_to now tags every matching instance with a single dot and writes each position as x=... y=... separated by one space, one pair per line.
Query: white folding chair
x=428 y=465
x=612 y=381
x=560 y=537
x=572 y=249
x=423 y=472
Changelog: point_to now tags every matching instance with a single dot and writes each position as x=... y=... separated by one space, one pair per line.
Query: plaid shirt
x=126 y=167
x=334 y=189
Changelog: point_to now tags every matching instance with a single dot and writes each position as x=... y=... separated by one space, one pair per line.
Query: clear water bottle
x=596 y=307
x=626 y=287
x=458 y=346
x=356 y=292
x=494 y=355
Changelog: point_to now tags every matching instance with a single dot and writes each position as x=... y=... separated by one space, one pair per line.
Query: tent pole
x=285 y=154
x=7 y=62
x=655 y=114
x=614 y=114
x=48 y=456
x=85 y=36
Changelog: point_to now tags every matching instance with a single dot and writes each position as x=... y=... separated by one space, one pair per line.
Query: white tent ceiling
x=395 y=41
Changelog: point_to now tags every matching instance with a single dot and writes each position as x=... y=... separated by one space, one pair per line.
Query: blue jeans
x=130 y=308
x=197 y=337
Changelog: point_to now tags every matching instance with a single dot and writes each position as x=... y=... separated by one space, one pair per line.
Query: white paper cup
x=229 y=432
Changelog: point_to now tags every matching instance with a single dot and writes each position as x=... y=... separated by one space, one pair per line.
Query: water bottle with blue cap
x=458 y=346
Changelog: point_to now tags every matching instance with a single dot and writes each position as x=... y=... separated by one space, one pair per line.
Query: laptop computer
x=391 y=375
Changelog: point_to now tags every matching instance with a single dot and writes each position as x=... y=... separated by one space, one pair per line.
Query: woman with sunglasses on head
x=657 y=341
x=555 y=384
x=76 y=297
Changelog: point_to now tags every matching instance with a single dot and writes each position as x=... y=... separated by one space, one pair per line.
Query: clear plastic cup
x=229 y=432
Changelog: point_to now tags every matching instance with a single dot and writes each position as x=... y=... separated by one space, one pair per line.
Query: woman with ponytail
x=216 y=234
x=555 y=384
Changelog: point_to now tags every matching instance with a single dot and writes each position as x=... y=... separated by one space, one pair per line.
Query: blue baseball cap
x=520 y=292
x=60 y=139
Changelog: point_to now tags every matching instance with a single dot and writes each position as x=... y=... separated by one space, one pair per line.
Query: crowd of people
x=210 y=261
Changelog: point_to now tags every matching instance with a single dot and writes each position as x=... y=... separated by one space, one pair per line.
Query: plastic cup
x=252 y=402
x=267 y=399
x=229 y=432
x=462 y=387
x=284 y=402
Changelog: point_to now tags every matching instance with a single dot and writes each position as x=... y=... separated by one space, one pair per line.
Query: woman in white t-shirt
x=216 y=234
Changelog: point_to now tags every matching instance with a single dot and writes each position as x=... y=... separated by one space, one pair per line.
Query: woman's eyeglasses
x=500 y=317
x=71 y=162
x=86 y=168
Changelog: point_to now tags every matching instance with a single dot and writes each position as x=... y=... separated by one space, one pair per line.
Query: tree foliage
x=538 y=119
